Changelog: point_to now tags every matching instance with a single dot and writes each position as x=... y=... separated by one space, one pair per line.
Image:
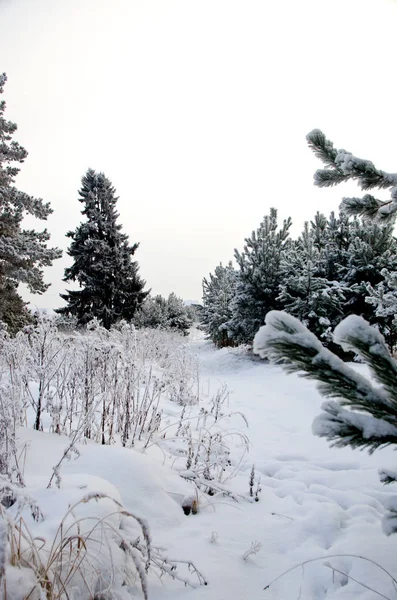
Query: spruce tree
x=261 y=267
x=358 y=413
x=23 y=252
x=110 y=287
x=218 y=292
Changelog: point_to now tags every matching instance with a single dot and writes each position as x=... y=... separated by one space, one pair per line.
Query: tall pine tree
x=110 y=287
x=23 y=252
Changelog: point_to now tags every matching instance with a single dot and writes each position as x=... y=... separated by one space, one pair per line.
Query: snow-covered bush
x=164 y=313
x=106 y=384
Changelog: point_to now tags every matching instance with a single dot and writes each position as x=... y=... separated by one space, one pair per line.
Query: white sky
x=197 y=110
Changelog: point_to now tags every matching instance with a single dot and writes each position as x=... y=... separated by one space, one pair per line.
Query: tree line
x=340 y=265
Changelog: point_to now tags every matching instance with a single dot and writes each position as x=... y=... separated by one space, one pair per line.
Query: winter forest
x=238 y=445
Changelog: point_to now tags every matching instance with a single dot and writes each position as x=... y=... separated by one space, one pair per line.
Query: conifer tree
x=152 y=313
x=177 y=316
x=261 y=271
x=384 y=298
x=110 y=287
x=305 y=292
x=372 y=248
x=161 y=313
x=359 y=413
x=23 y=252
x=218 y=292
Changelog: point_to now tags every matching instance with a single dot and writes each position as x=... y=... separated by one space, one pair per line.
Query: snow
x=356 y=327
x=316 y=502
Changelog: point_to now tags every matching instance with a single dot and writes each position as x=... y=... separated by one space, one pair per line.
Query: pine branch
x=327 y=178
x=285 y=340
x=369 y=208
x=322 y=148
x=355 y=334
x=342 y=166
x=357 y=430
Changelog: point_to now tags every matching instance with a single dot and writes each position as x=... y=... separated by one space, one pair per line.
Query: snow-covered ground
x=316 y=502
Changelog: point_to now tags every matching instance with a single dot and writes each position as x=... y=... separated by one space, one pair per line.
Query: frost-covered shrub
x=105 y=384
x=164 y=313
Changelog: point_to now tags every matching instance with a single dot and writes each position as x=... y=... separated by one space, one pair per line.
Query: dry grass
x=82 y=554
x=88 y=557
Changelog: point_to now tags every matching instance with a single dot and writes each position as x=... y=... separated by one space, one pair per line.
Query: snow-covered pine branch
x=285 y=340
x=341 y=166
x=359 y=415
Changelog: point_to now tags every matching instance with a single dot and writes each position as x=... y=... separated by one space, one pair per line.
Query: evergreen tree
x=372 y=248
x=359 y=414
x=384 y=298
x=177 y=316
x=160 y=313
x=261 y=271
x=110 y=287
x=152 y=313
x=23 y=252
x=218 y=292
x=305 y=292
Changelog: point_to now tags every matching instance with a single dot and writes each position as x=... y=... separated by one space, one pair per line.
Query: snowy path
x=328 y=501
x=315 y=501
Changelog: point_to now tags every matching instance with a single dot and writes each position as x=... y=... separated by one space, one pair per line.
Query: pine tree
x=384 y=298
x=161 y=313
x=259 y=278
x=23 y=252
x=177 y=317
x=304 y=291
x=110 y=287
x=359 y=414
x=353 y=252
x=152 y=313
x=218 y=292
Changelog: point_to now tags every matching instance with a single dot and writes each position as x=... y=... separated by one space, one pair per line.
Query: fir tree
x=218 y=292
x=23 y=252
x=110 y=287
x=258 y=280
x=359 y=414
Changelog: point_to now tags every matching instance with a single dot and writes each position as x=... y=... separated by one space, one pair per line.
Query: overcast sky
x=197 y=110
